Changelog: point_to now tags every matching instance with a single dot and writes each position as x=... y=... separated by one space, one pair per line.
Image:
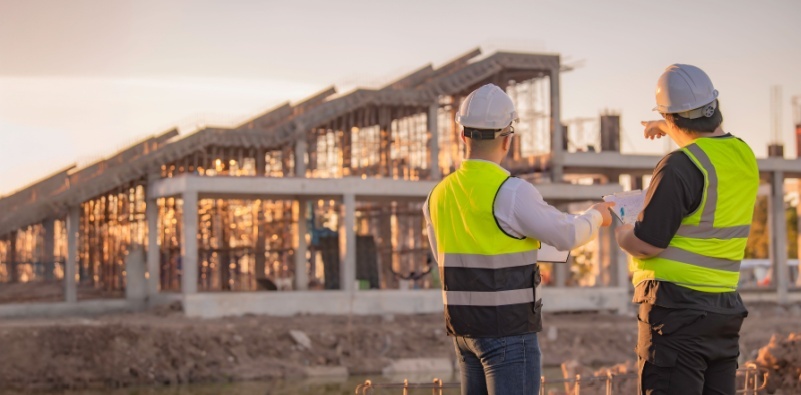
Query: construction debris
x=781 y=358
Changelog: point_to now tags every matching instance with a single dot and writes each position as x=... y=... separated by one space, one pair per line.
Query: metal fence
x=750 y=380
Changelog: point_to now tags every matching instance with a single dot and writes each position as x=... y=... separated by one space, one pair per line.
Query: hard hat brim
x=675 y=109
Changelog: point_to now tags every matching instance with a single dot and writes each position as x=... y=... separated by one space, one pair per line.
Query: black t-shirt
x=676 y=191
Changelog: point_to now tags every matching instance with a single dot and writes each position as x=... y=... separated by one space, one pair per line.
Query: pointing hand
x=654 y=129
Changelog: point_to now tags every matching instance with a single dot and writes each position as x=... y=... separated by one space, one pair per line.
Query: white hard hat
x=488 y=107
x=685 y=90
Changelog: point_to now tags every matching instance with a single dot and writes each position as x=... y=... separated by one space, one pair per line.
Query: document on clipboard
x=628 y=205
x=549 y=253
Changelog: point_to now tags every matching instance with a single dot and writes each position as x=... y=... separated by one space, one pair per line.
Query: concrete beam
x=365 y=302
x=363 y=189
x=71 y=309
x=591 y=162
x=189 y=269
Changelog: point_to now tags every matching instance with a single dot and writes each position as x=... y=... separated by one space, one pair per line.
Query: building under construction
x=321 y=198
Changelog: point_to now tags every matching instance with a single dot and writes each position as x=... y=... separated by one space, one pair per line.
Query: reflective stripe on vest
x=701 y=255
x=488 y=276
x=705 y=229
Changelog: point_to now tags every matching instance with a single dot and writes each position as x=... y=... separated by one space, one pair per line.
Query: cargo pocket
x=666 y=321
x=536 y=316
x=657 y=368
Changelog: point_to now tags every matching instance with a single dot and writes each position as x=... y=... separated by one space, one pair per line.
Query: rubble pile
x=781 y=358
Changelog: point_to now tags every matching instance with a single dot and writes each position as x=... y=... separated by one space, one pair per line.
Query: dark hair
x=698 y=125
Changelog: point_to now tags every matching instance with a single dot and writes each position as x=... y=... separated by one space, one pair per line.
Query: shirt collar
x=482 y=161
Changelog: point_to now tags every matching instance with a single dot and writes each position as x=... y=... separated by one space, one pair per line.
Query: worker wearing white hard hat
x=688 y=242
x=485 y=228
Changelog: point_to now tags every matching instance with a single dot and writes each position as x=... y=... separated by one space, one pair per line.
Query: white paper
x=628 y=205
x=549 y=253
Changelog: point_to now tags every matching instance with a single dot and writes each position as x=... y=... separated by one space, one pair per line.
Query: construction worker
x=688 y=242
x=485 y=228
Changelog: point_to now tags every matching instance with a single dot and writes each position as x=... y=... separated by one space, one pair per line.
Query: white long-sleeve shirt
x=521 y=211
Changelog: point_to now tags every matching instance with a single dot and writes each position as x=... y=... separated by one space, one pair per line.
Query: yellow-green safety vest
x=706 y=251
x=489 y=277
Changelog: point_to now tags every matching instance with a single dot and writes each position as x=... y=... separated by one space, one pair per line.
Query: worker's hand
x=603 y=208
x=655 y=129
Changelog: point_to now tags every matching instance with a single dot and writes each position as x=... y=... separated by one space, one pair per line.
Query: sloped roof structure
x=51 y=196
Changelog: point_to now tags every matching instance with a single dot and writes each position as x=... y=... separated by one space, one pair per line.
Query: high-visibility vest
x=706 y=252
x=489 y=277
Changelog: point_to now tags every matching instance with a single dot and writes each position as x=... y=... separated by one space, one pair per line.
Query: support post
x=153 y=249
x=557 y=135
x=73 y=227
x=189 y=270
x=433 y=140
x=301 y=274
x=300 y=157
x=778 y=237
x=347 y=240
x=48 y=256
x=607 y=258
x=13 y=274
x=798 y=213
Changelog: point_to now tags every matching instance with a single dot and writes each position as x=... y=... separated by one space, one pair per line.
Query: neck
x=489 y=157
x=683 y=139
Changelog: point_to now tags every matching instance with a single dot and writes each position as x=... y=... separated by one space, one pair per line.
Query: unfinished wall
x=111 y=224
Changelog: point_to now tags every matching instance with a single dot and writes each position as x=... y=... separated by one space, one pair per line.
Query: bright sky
x=80 y=79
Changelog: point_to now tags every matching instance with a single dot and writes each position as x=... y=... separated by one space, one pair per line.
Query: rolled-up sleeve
x=523 y=212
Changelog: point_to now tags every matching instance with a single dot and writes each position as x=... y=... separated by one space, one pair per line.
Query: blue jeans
x=508 y=365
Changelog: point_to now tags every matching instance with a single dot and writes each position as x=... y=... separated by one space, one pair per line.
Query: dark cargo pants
x=686 y=351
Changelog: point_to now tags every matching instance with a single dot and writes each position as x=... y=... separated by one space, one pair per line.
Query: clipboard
x=549 y=253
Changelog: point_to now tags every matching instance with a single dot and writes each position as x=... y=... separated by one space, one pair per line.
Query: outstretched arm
x=532 y=217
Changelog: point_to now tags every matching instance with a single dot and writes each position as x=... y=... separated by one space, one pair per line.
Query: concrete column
x=11 y=258
x=778 y=237
x=301 y=273
x=73 y=226
x=189 y=270
x=798 y=212
x=607 y=258
x=433 y=141
x=301 y=147
x=48 y=257
x=153 y=251
x=136 y=285
x=557 y=136
x=347 y=242
x=561 y=270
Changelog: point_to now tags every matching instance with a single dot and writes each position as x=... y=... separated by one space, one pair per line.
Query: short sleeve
x=675 y=192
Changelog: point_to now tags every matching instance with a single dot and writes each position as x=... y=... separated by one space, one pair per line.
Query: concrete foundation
x=367 y=302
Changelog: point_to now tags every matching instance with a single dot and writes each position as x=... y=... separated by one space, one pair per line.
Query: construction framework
x=325 y=194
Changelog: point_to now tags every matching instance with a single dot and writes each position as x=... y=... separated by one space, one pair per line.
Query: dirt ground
x=162 y=346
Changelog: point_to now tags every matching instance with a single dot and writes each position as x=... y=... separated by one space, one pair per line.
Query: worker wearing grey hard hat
x=688 y=242
x=485 y=229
